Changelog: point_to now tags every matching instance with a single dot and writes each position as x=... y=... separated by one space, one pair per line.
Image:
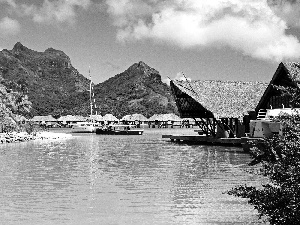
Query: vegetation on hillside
x=12 y=105
x=50 y=79
x=56 y=88
x=138 y=89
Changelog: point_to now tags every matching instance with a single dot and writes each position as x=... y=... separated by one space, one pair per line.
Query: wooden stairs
x=261 y=114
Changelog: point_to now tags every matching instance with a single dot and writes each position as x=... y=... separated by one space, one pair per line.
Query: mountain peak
x=142 y=64
x=142 y=68
x=19 y=47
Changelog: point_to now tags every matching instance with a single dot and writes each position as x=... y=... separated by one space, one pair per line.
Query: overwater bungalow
x=230 y=109
x=69 y=120
x=47 y=121
x=218 y=106
x=135 y=119
x=273 y=103
x=95 y=118
x=286 y=75
x=110 y=118
x=48 y=118
x=165 y=120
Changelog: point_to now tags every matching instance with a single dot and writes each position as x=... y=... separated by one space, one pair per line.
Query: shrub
x=279 y=156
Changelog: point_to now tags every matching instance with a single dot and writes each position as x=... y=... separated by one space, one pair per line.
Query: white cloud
x=180 y=76
x=50 y=11
x=9 y=26
x=251 y=26
x=288 y=10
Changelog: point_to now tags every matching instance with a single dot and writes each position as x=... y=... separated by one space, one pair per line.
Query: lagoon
x=123 y=180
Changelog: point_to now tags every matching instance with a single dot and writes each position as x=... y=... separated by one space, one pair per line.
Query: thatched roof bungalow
x=110 y=118
x=48 y=118
x=216 y=99
x=135 y=117
x=164 y=117
x=71 y=118
x=287 y=75
x=95 y=118
x=155 y=117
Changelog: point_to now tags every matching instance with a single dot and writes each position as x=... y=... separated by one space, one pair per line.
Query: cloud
x=9 y=2
x=251 y=27
x=288 y=10
x=179 y=76
x=9 y=26
x=182 y=77
x=49 y=11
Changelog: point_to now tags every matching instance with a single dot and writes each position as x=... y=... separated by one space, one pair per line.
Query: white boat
x=84 y=127
x=88 y=126
x=119 y=130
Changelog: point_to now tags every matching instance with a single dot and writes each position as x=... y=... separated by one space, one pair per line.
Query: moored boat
x=119 y=130
x=84 y=127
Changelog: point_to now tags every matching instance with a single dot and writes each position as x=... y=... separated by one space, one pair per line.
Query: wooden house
x=217 y=104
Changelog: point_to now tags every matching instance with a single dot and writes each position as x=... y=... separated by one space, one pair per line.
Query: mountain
x=138 y=89
x=55 y=87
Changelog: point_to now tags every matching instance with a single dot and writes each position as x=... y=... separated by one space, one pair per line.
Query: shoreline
x=64 y=133
x=15 y=137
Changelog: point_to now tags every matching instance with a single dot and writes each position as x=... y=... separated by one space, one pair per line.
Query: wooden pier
x=244 y=142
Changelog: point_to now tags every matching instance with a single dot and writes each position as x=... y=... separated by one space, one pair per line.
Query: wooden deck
x=244 y=142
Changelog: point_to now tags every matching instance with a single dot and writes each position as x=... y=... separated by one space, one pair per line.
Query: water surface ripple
x=122 y=180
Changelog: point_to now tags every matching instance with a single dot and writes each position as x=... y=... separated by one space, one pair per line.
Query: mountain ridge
x=139 y=89
x=55 y=87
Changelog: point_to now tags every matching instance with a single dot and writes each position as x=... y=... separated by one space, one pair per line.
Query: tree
x=279 y=157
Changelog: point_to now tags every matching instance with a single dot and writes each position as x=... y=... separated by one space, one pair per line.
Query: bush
x=279 y=156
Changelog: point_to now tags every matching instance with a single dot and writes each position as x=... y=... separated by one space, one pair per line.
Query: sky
x=241 y=40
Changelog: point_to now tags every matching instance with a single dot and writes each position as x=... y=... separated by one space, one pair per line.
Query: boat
x=87 y=126
x=119 y=130
x=84 y=127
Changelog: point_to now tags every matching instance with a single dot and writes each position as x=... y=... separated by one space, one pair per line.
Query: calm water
x=122 y=180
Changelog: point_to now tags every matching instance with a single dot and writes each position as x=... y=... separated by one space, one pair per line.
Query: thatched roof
x=95 y=117
x=126 y=117
x=165 y=117
x=288 y=75
x=293 y=69
x=138 y=117
x=71 y=118
x=134 y=117
x=219 y=99
x=48 y=118
x=157 y=117
x=110 y=117
x=171 y=117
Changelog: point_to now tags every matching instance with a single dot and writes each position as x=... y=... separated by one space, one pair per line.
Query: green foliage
x=30 y=127
x=279 y=157
x=293 y=93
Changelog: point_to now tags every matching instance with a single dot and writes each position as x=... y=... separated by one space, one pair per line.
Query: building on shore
x=224 y=108
x=218 y=107
x=286 y=75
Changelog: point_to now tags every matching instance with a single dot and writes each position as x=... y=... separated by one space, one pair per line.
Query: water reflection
x=94 y=179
